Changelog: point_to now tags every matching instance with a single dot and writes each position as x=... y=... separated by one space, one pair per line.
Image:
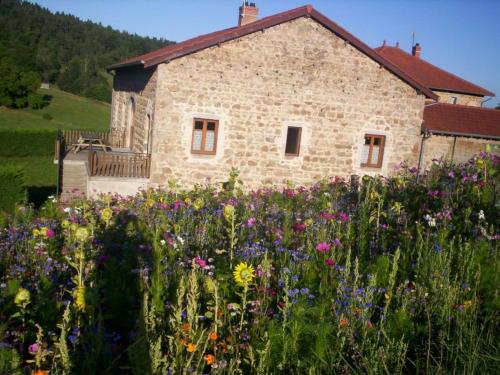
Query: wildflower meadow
x=369 y=276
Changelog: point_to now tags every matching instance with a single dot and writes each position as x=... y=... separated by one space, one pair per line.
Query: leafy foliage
x=65 y=50
x=18 y=89
x=12 y=188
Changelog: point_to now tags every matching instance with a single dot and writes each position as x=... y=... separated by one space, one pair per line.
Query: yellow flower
x=187 y=201
x=36 y=232
x=82 y=234
x=79 y=296
x=308 y=222
x=43 y=231
x=244 y=273
x=191 y=347
x=107 y=214
x=22 y=297
x=198 y=204
x=65 y=224
x=229 y=212
x=467 y=304
x=149 y=202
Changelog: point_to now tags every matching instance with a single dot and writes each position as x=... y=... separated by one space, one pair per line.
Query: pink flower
x=327 y=216
x=343 y=216
x=50 y=233
x=251 y=222
x=201 y=262
x=323 y=247
x=330 y=262
x=299 y=227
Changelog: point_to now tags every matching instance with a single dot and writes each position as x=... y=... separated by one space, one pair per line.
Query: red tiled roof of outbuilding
x=462 y=120
x=429 y=75
x=209 y=40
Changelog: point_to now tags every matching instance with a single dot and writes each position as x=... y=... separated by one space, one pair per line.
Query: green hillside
x=63 y=111
x=65 y=50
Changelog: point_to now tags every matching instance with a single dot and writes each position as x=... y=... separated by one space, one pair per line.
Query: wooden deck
x=75 y=168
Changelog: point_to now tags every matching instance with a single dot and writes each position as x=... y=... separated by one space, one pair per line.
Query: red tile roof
x=462 y=120
x=429 y=75
x=209 y=40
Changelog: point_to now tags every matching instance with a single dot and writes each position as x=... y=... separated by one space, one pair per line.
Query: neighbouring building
x=457 y=125
x=290 y=97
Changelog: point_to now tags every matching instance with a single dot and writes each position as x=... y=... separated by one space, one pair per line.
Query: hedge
x=12 y=187
x=27 y=143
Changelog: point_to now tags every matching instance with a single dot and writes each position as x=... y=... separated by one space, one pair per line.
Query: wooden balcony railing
x=116 y=165
x=67 y=138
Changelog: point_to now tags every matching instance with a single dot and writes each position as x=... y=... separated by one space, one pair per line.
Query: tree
x=18 y=89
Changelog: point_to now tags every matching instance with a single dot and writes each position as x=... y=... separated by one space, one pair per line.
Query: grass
x=67 y=111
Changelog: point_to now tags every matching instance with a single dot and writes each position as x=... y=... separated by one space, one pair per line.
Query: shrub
x=47 y=116
x=12 y=188
x=27 y=143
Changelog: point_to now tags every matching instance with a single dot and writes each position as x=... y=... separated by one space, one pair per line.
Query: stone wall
x=463 y=99
x=437 y=147
x=133 y=87
x=294 y=74
x=114 y=185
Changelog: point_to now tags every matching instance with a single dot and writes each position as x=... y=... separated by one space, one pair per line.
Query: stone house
x=290 y=97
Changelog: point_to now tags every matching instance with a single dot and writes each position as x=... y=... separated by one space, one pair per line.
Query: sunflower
x=244 y=273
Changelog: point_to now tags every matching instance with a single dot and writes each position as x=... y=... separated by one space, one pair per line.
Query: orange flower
x=213 y=336
x=191 y=347
x=210 y=359
x=186 y=327
x=183 y=341
x=40 y=372
x=344 y=322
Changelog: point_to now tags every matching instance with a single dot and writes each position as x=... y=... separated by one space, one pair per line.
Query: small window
x=373 y=151
x=452 y=100
x=293 y=141
x=204 y=136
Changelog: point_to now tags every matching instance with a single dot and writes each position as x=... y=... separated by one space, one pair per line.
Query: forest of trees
x=65 y=50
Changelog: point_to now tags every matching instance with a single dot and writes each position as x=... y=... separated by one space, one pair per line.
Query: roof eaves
x=466 y=92
x=460 y=134
x=125 y=65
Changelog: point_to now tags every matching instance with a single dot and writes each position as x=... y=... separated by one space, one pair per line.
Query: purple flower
x=33 y=348
x=323 y=247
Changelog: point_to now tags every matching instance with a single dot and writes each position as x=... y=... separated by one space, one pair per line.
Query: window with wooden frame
x=204 y=136
x=293 y=135
x=373 y=151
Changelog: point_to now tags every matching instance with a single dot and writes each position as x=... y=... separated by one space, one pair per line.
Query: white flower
x=432 y=222
x=67 y=210
x=163 y=242
x=180 y=239
x=481 y=215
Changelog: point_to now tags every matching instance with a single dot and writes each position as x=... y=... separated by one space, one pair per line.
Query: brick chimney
x=248 y=13
x=416 y=50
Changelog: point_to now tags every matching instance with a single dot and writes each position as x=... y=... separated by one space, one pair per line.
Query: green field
x=66 y=111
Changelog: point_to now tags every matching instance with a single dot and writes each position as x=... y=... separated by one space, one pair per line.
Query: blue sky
x=461 y=36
